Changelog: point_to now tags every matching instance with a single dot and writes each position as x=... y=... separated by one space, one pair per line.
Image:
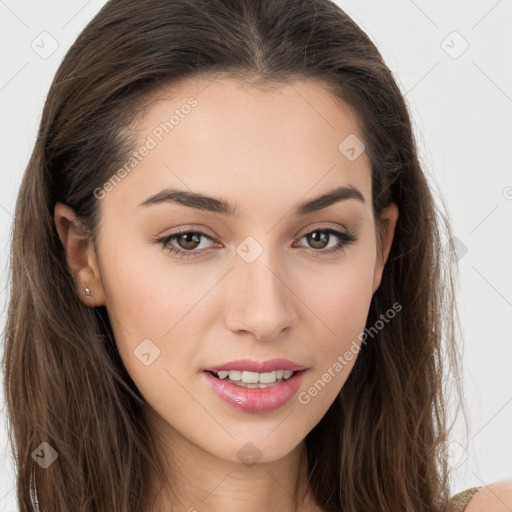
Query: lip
x=251 y=365
x=255 y=400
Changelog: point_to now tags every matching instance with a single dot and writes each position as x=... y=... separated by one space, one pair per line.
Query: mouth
x=249 y=379
x=250 y=392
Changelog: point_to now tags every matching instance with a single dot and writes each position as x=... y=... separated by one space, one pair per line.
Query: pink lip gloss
x=255 y=399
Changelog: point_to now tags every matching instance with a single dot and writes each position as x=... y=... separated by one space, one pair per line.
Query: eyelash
x=347 y=237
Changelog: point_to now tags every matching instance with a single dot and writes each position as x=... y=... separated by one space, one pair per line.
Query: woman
x=228 y=284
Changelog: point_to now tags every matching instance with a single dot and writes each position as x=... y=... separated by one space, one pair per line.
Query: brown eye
x=188 y=241
x=319 y=239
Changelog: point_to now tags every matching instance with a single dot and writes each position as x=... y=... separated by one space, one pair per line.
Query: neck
x=199 y=480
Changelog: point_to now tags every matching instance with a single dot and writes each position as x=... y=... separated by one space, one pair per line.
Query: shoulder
x=495 y=497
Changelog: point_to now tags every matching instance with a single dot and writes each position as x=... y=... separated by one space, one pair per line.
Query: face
x=189 y=288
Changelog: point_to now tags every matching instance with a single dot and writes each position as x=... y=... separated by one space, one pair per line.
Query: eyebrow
x=211 y=204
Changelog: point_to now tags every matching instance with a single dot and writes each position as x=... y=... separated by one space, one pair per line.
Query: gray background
x=461 y=103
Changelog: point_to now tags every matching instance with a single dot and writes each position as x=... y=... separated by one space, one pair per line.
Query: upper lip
x=257 y=366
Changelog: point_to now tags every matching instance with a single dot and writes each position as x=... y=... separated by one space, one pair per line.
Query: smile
x=245 y=391
x=253 y=379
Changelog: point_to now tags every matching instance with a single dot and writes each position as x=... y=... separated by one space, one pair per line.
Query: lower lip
x=255 y=399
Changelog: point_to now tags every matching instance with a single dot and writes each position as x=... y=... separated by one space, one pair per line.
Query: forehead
x=244 y=142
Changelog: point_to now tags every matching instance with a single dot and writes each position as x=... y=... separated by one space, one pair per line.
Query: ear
x=80 y=254
x=389 y=216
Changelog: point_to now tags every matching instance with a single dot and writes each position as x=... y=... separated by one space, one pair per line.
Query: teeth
x=266 y=378
x=255 y=377
x=252 y=377
x=234 y=375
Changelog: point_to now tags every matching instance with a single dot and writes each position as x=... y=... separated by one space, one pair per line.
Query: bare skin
x=495 y=497
x=267 y=151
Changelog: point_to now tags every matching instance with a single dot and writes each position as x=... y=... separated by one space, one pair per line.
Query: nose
x=260 y=301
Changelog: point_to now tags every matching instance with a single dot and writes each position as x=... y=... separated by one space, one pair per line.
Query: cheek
x=340 y=296
x=154 y=335
x=149 y=305
x=147 y=291
x=338 y=301
x=342 y=310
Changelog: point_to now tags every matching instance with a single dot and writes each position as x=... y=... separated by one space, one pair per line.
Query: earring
x=87 y=291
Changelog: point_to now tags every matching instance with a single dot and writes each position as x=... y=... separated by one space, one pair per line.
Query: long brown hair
x=380 y=446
